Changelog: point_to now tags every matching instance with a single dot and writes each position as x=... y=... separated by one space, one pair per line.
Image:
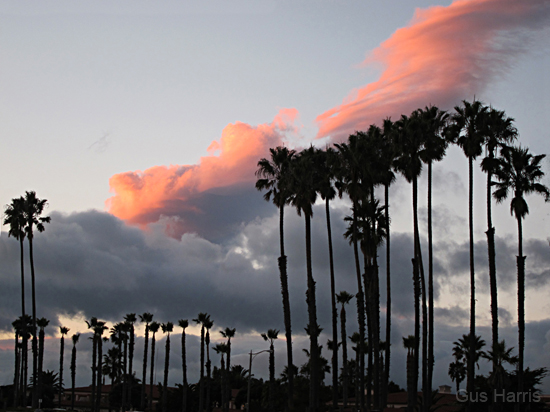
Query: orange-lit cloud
x=444 y=55
x=172 y=191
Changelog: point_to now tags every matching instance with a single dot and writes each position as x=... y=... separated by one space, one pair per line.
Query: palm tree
x=457 y=372
x=499 y=131
x=409 y=343
x=434 y=124
x=14 y=217
x=303 y=188
x=469 y=125
x=271 y=336
x=228 y=333
x=208 y=325
x=99 y=328
x=63 y=330
x=73 y=368
x=91 y=325
x=153 y=328
x=146 y=318
x=221 y=348
x=183 y=323
x=41 y=323
x=32 y=211
x=202 y=319
x=273 y=177
x=167 y=328
x=344 y=298
x=410 y=141
x=348 y=181
x=129 y=320
x=520 y=172
x=17 y=325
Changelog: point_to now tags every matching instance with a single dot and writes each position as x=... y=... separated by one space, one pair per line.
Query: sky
x=142 y=126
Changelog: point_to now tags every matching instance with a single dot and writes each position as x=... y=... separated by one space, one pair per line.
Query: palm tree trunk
x=208 y=374
x=184 y=371
x=360 y=315
x=521 y=306
x=99 y=372
x=201 y=381
x=34 y=337
x=286 y=309
x=367 y=283
x=151 y=374
x=40 y=360
x=17 y=369
x=416 y=280
x=493 y=285
x=334 y=312
x=61 y=352
x=431 y=359
x=94 y=361
x=73 y=375
x=23 y=326
x=471 y=362
x=130 y=366
x=272 y=378
x=313 y=330
x=388 y=304
x=166 y=368
x=144 y=372
x=345 y=373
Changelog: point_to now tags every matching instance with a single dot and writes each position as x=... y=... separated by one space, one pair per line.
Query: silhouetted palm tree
x=208 y=325
x=15 y=218
x=63 y=330
x=228 y=333
x=98 y=335
x=499 y=131
x=457 y=373
x=91 y=325
x=271 y=336
x=202 y=319
x=73 y=367
x=146 y=318
x=221 y=348
x=153 y=328
x=344 y=298
x=273 y=177
x=519 y=172
x=183 y=323
x=167 y=328
x=41 y=323
x=33 y=208
x=303 y=188
x=469 y=125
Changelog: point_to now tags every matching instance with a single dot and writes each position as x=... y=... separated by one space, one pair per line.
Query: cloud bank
x=444 y=55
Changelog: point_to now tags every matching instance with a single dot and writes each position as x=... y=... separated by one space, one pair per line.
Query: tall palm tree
x=228 y=333
x=98 y=333
x=348 y=180
x=273 y=175
x=73 y=367
x=208 y=325
x=146 y=318
x=271 y=336
x=201 y=319
x=387 y=157
x=326 y=163
x=434 y=124
x=469 y=125
x=303 y=188
x=41 y=323
x=499 y=131
x=33 y=208
x=129 y=320
x=221 y=348
x=344 y=298
x=63 y=330
x=519 y=172
x=167 y=328
x=14 y=217
x=91 y=325
x=153 y=328
x=183 y=323
x=410 y=141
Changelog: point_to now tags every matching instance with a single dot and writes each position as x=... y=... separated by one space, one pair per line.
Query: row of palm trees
x=356 y=167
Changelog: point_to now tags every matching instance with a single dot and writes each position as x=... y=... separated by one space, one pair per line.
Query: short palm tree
x=208 y=325
x=273 y=175
x=130 y=319
x=146 y=318
x=63 y=330
x=153 y=328
x=271 y=336
x=202 y=319
x=457 y=372
x=520 y=173
x=343 y=299
x=98 y=334
x=221 y=348
x=167 y=328
x=468 y=130
x=228 y=333
x=75 y=338
x=41 y=323
x=33 y=208
x=183 y=323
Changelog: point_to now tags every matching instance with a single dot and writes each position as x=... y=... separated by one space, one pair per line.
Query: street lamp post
x=252 y=356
